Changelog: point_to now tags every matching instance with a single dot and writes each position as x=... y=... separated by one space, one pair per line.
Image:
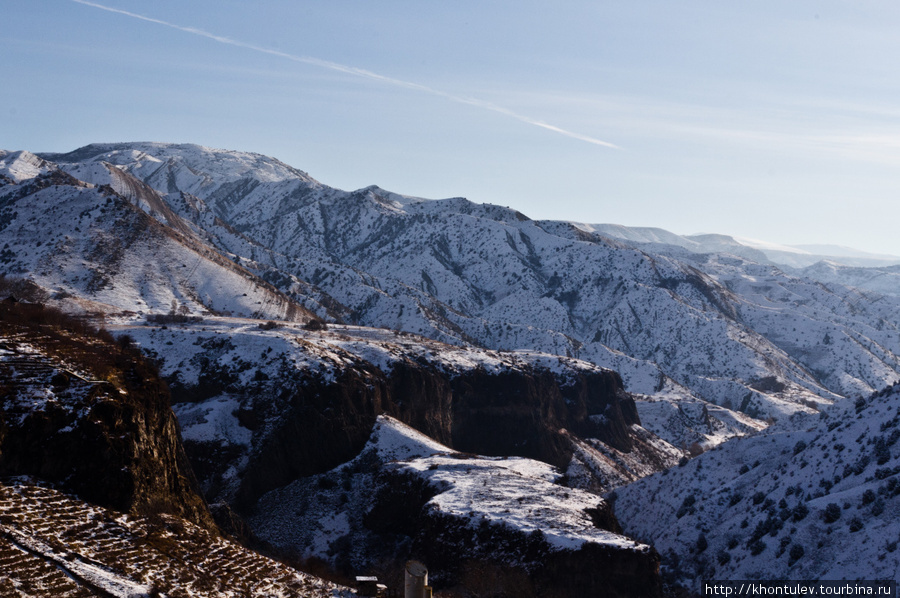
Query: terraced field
x=52 y=544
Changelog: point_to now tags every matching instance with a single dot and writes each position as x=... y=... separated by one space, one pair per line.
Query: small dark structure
x=369 y=587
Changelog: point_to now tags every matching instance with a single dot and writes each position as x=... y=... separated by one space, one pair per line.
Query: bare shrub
x=316 y=325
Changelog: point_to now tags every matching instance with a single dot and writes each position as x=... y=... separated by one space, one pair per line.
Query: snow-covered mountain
x=829 y=264
x=97 y=244
x=231 y=232
x=800 y=256
x=727 y=327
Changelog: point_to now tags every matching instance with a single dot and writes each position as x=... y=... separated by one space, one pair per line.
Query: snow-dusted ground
x=249 y=346
x=683 y=422
x=600 y=467
x=22 y=165
x=516 y=492
x=817 y=498
x=31 y=373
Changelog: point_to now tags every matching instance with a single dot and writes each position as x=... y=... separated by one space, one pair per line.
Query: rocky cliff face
x=531 y=410
x=92 y=416
x=261 y=408
x=277 y=421
x=522 y=412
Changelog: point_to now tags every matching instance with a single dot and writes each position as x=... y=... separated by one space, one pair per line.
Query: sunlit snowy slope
x=98 y=247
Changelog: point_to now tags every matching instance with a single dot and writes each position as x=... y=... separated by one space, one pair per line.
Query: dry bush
x=316 y=325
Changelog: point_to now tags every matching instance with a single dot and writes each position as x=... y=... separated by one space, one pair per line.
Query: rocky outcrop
x=485 y=526
x=314 y=427
x=475 y=558
x=283 y=438
x=91 y=416
x=530 y=412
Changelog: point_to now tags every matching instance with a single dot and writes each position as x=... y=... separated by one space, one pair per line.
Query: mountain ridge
x=376 y=258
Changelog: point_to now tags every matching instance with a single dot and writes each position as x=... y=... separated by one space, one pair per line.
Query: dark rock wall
x=522 y=412
x=315 y=428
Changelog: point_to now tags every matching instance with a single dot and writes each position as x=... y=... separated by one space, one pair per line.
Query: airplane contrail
x=358 y=72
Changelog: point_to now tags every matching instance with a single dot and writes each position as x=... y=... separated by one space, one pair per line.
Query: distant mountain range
x=795 y=256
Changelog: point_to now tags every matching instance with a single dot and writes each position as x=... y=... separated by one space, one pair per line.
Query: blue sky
x=773 y=120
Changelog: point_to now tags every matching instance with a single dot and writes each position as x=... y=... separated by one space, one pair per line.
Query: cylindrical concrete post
x=416 y=580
